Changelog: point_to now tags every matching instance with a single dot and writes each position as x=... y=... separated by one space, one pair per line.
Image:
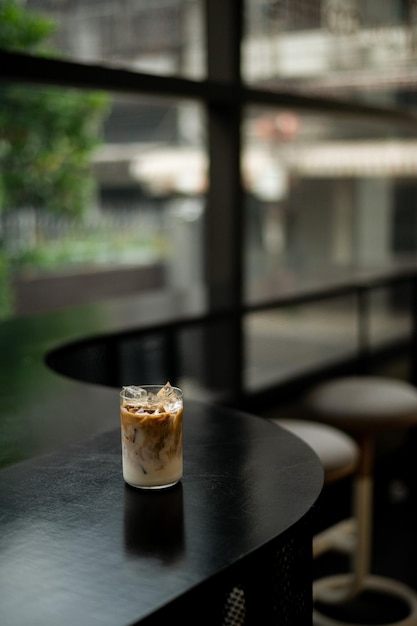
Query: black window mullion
x=223 y=230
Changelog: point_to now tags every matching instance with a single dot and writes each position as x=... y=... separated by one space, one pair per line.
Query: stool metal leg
x=340 y=537
x=339 y=590
x=363 y=514
x=344 y=587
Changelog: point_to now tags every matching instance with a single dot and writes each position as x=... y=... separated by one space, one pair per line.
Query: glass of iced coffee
x=151 y=424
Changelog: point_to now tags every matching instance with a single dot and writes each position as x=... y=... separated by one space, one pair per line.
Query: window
x=243 y=152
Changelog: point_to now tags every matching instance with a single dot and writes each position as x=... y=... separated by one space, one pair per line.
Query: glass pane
x=390 y=314
x=157 y=36
x=99 y=196
x=207 y=360
x=283 y=343
x=199 y=357
x=364 y=49
x=327 y=198
x=145 y=358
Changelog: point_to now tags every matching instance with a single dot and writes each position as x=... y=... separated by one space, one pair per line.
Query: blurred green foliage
x=47 y=135
x=22 y=30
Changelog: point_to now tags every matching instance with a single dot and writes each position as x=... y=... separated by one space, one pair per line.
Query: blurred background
x=104 y=194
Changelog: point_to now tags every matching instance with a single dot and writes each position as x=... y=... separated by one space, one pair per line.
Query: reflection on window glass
x=390 y=314
x=281 y=344
x=362 y=49
x=158 y=36
x=325 y=197
x=100 y=196
x=205 y=371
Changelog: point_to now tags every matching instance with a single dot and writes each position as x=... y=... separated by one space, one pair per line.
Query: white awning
x=184 y=170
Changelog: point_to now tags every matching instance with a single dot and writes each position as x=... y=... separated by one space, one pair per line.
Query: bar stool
x=336 y=450
x=339 y=455
x=362 y=407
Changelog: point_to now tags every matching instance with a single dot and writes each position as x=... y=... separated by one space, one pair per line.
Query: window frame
x=224 y=96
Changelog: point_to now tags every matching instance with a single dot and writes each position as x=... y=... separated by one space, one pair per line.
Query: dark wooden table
x=79 y=547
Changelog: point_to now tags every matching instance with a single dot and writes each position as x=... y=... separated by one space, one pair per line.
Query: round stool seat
x=365 y=404
x=337 y=452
